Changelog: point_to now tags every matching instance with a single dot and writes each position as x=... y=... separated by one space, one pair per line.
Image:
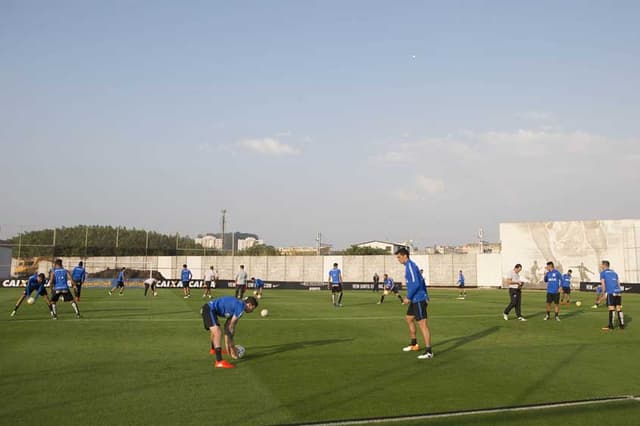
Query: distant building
x=230 y=241
x=391 y=248
x=305 y=251
x=5 y=259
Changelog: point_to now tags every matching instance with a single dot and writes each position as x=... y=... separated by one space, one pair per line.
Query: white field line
x=474 y=412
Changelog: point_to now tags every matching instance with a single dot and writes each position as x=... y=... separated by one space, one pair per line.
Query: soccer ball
x=240 y=350
x=264 y=313
x=255 y=293
x=31 y=300
x=578 y=303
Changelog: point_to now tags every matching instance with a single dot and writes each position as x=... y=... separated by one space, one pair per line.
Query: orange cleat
x=212 y=351
x=224 y=364
x=411 y=348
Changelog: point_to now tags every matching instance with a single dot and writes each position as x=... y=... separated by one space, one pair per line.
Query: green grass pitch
x=137 y=360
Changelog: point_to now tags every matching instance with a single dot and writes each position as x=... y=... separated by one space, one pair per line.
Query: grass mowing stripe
x=472 y=412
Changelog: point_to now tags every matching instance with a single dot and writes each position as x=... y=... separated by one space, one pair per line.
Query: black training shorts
x=336 y=288
x=66 y=296
x=209 y=318
x=553 y=298
x=614 y=300
x=418 y=310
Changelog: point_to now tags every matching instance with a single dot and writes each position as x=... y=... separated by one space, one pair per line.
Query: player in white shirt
x=150 y=282
x=515 y=294
x=209 y=278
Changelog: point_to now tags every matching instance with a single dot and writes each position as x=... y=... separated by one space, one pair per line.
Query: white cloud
x=269 y=146
x=533 y=115
x=403 y=195
x=430 y=185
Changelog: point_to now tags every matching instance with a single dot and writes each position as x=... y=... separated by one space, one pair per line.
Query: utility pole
x=319 y=242
x=481 y=238
x=224 y=224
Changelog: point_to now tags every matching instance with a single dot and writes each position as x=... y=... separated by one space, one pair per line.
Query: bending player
x=231 y=308
x=59 y=280
x=259 y=287
x=119 y=282
x=150 y=282
x=78 y=275
x=389 y=287
x=36 y=283
x=335 y=284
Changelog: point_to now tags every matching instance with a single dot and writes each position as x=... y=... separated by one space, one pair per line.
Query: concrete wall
x=440 y=270
x=5 y=262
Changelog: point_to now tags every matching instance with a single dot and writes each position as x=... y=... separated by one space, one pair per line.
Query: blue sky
x=359 y=119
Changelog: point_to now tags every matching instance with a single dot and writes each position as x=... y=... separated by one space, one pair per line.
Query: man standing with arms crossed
x=515 y=294
x=417 y=299
x=241 y=282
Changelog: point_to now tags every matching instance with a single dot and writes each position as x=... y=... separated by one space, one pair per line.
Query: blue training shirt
x=553 y=278
x=227 y=306
x=461 y=279
x=388 y=283
x=186 y=275
x=334 y=275
x=416 y=286
x=611 y=285
x=259 y=282
x=60 y=279
x=566 y=281
x=78 y=274
x=121 y=277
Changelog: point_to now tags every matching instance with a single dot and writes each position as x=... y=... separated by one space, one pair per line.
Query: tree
x=259 y=250
x=364 y=251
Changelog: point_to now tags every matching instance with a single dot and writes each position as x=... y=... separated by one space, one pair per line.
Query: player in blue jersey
x=417 y=299
x=60 y=279
x=565 y=299
x=78 y=276
x=232 y=309
x=335 y=285
x=119 y=282
x=553 y=278
x=612 y=291
x=389 y=286
x=185 y=278
x=596 y=304
x=463 y=292
x=35 y=283
x=259 y=287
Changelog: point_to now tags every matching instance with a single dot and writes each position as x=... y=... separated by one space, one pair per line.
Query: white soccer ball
x=241 y=351
x=264 y=313
x=578 y=303
x=31 y=300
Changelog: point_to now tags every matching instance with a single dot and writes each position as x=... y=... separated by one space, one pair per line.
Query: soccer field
x=137 y=360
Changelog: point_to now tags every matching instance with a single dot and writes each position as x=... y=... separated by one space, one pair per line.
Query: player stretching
x=553 y=278
x=259 y=287
x=417 y=299
x=463 y=292
x=78 y=276
x=612 y=291
x=389 y=286
x=150 y=282
x=208 y=279
x=185 y=278
x=335 y=284
x=59 y=280
x=119 y=282
x=231 y=308
x=36 y=283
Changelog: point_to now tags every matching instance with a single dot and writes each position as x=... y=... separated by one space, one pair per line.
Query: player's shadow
x=265 y=351
x=572 y=313
x=460 y=341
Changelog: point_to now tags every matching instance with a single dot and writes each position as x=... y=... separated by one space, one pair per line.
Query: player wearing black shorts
x=335 y=284
x=613 y=293
x=417 y=299
x=59 y=279
x=35 y=284
x=553 y=278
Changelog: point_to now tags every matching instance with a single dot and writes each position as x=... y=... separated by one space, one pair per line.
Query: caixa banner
x=625 y=287
x=15 y=282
